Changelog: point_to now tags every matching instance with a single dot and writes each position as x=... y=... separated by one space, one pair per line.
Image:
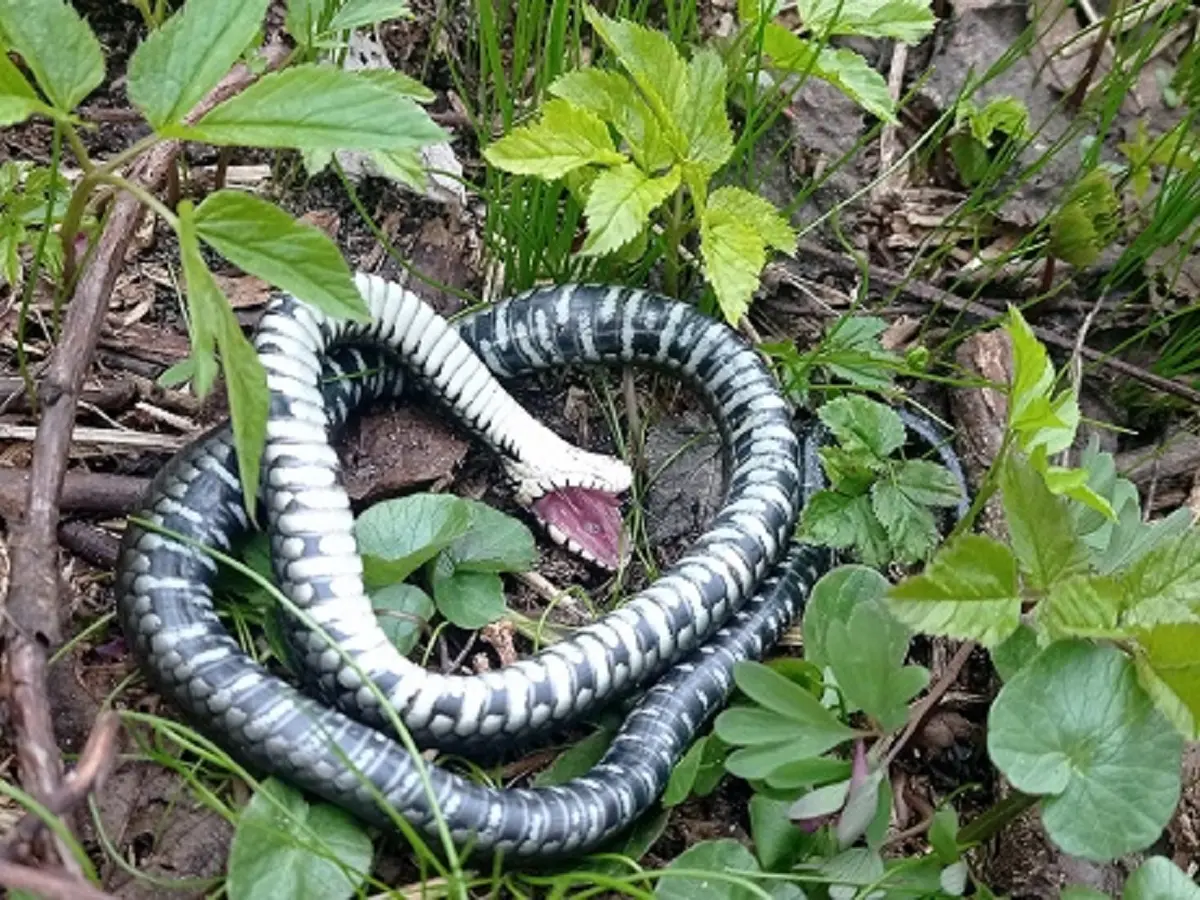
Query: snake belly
x=728 y=598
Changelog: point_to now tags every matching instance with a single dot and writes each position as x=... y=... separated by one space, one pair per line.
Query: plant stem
x=132 y=151
x=76 y=144
x=674 y=236
x=990 y=483
x=147 y=199
x=991 y=820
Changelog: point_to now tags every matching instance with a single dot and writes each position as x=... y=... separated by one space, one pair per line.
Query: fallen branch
x=49 y=884
x=33 y=608
x=85 y=492
x=100 y=437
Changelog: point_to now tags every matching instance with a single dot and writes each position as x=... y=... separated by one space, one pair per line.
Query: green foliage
x=462 y=545
x=674 y=136
x=851 y=352
x=286 y=849
x=988 y=136
x=880 y=506
x=314 y=109
x=1088 y=220
x=719 y=870
x=24 y=195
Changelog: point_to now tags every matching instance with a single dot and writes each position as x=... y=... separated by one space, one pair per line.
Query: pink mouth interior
x=591 y=518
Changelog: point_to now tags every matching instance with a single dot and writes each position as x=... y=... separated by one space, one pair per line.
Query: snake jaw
x=587 y=521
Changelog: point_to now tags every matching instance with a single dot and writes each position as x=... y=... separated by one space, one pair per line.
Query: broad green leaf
x=469 y=600
x=910 y=527
x=613 y=98
x=1042 y=418
x=1169 y=667
x=969 y=590
x=356 y=13
x=1160 y=879
x=1039 y=525
x=777 y=842
x=564 y=139
x=181 y=61
x=905 y=20
x=494 y=542
x=844 y=69
x=927 y=483
x=213 y=324
x=620 y=204
x=315 y=107
x=850 y=870
x=834 y=598
x=286 y=848
x=734 y=255
x=864 y=425
x=851 y=351
x=752 y=727
x=683 y=776
x=577 y=760
x=1015 y=652
x=303 y=18
x=808 y=773
x=265 y=241
x=838 y=520
x=402 y=611
x=1165 y=581
x=722 y=857
x=820 y=803
x=790 y=704
x=18 y=101
x=702 y=116
x=654 y=64
x=1076 y=727
x=943 y=835
x=408 y=532
x=1081 y=606
x=759 y=213
x=58 y=47
x=868 y=808
x=398 y=83
x=764 y=761
x=866 y=654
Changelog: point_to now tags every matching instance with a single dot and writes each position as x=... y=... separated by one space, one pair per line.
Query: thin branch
x=927 y=703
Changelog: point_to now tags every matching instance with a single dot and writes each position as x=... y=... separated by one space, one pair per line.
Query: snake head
x=577 y=500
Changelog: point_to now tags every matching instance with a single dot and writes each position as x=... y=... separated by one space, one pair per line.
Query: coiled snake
x=727 y=599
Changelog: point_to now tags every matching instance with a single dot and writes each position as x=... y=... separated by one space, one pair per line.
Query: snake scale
x=727 y=599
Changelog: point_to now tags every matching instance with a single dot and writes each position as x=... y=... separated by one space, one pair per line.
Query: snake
x=668 y=652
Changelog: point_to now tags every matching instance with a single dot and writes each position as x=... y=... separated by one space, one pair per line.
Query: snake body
x=727 y=599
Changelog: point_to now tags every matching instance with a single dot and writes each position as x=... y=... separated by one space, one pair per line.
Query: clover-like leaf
x=1075 y=727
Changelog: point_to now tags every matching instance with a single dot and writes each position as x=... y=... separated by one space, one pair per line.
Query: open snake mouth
x=586 y=520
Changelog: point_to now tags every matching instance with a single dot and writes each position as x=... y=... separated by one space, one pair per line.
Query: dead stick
x=48 y=883
x=33 y=607
x=929 y=294
x=88 y=492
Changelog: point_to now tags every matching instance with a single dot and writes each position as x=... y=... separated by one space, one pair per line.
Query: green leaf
x=867 y=654
x=398 y=83
x=58 y=47
x=315 y=107
x=469 y=600
x=777 y=842
x=1079 y=892
x=1007 y=116
x=182 y=60
x=844 y=69
x=18 y=101
x=1088 y=220
x=1081 y=606
x=564 y=139
x=1160 y=879
x=808 y=773
x=968 y=591
x=910 y=527
x=701 y=116
x=406 y=533
x=1041 y=418
x=654 y=64
x=758 y=212
x=734 y=255
x=214 y=324
x=834 y=519
x=577 y=760
x=1040 y=526
x=723 y=857
x=494 y=542
x=620 y=204
x=834 y=598
x=303 y=18
x=943 y=835
x=851 y=351
x=265 y=241
x=402 y=611
x=927 y=483
x=285 y=848
x=1169 y=669
x=862 y=425
x=683 y=776
x=1015 y=652
x=907 y=21
x=1076 y=727
x=613 y=98
x=356 y=13
x=1165 y=580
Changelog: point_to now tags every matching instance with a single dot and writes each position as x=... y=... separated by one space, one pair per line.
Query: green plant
x=987 y=137
x=675 y=136
x=311 y=108
x=28 y=201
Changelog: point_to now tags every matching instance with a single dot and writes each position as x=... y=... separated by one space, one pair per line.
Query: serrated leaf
x=398 y=83
x=734 y=255
x=265 y=241
x=1169 y=668
x=1039 y=525
x=904 y=20
x=851 y=351
x=315 y=107
x=357 y=13
x=1160 y=879
x=402 y=611
x=182 y=60
x=408 y=532
x=613 y=98
x=282 y=848
x=702 y=116
x=18 y=101
x=58 y=47
x=1081 y=606
x=834 y=598
x=1075 y=727
x=844 y=69
x=620 y=204
x=469 y=600
x=564 y=139
x=1041 y=418
x=863 y=425
x=928 y=483
x=969 y=590
x=834 y=519
x=654 y=64
x=1165 y=580
x=758 y=212
x=910 y=527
